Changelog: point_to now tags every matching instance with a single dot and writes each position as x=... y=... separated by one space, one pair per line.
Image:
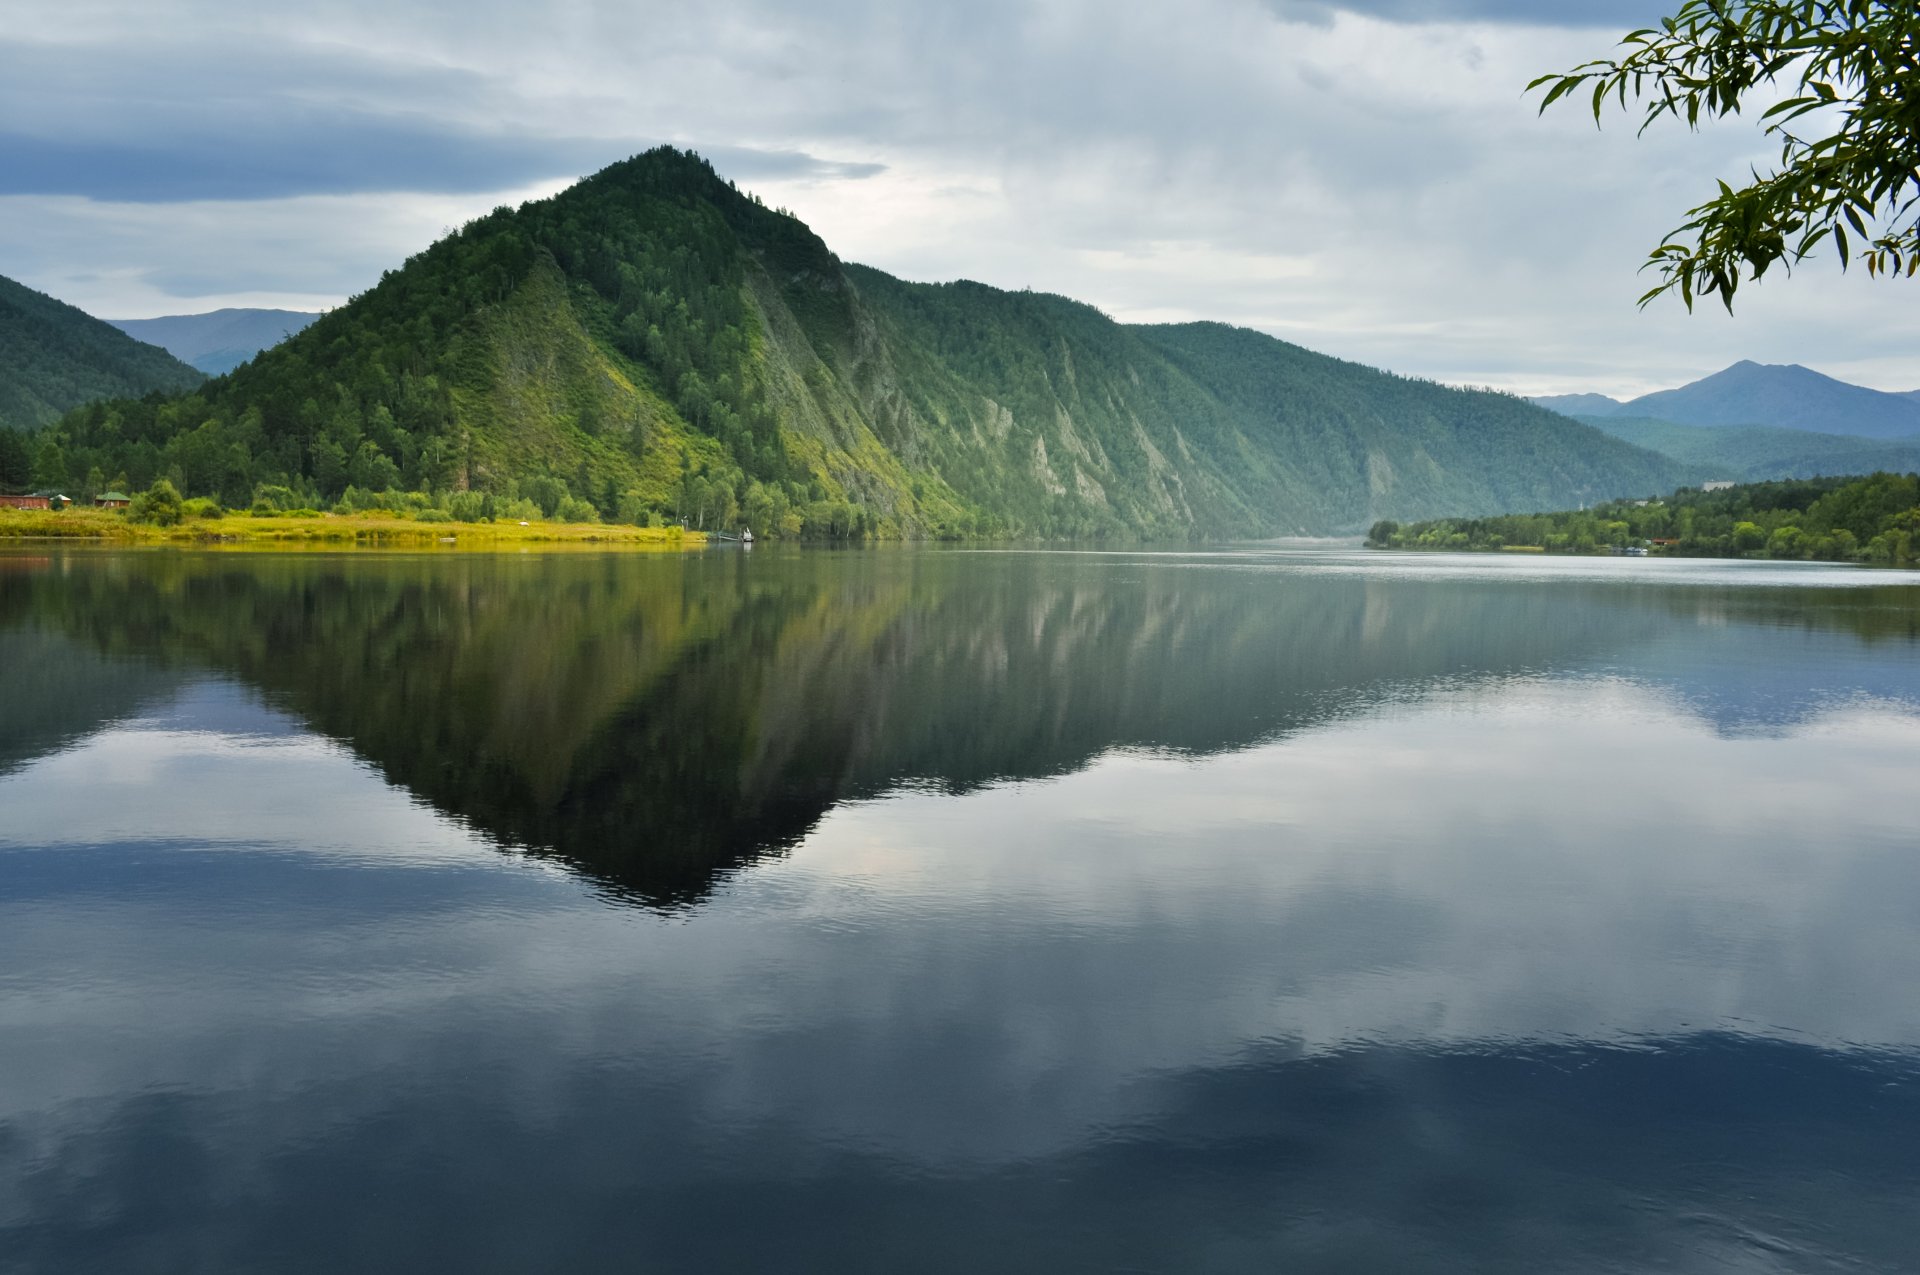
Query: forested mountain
x=54 y=357
x=1783 y=396
x=219 y=340
x=1582 y=405
x=1756 y=452
x=652 y=342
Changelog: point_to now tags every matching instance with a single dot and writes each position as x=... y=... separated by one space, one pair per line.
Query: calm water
x=952 y=911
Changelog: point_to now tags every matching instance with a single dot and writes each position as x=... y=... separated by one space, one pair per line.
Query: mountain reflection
x=1383 y=922
x=657 y=721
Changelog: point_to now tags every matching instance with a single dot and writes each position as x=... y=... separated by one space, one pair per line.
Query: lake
x=1273 y=908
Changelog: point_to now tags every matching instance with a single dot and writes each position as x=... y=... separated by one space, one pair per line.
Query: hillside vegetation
x=1870 y=519
x=1780 y=396
x=54 y=358
x=1784 y=395
x=1759 y=452
x=654 y=345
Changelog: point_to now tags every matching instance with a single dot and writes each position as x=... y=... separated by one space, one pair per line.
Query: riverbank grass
x=373 y=530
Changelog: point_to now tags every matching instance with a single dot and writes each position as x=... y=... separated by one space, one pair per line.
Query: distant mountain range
x=1754 y=453
x=219 y=340
x=654 y=341
x=1785 y=396
x=54 y=357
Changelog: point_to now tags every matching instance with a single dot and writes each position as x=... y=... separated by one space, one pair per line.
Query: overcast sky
x=1364 y=177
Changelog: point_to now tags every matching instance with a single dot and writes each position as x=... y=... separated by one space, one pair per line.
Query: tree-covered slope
x=1758 y=452
x=1784 y=395
x=54 y=358
x=652 y=343
x=1581 y=405
x=1370 y=438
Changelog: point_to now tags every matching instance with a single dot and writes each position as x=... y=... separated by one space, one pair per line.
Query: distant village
x=55 y=500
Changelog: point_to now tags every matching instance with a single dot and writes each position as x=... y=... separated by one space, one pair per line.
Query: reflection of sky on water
x=1604 y=966
x=1161 y=983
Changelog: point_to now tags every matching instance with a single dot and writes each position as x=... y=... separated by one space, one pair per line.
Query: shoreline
x=328 y=530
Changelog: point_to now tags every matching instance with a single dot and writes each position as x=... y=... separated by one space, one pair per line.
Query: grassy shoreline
x=371 y=530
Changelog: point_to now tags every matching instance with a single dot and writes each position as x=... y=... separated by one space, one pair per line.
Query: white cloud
x=1378 y=189
x=138 y=260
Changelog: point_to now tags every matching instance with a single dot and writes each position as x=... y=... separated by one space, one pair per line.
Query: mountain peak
x=654 y=342
x=1785 y=395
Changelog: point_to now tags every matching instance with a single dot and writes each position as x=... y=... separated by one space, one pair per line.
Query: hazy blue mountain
x=1579 y=404
x=54 y=357
x=1751 y=453
x=1784 y=395
x=219 y=340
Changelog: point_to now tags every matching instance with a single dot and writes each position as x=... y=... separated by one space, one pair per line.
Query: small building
x=35 y=501
x=1717 y=484
x=112 y=500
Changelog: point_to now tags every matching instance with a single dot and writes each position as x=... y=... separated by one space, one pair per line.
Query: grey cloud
x=292 y=120
x=1451 y=233
x=344 y=154
x=337 y=155
x=1623 y=14
x=747 y=164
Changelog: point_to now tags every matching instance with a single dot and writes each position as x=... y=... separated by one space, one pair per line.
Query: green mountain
x=54 y=358
x=654 y=343
x=1580 y=405
x=1756 y=452
x=1780 y=395
x=219 y=340
x=1785 y=395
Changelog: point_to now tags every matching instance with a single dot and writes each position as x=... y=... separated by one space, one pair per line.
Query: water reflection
x=659 y=721
x=1131 y=917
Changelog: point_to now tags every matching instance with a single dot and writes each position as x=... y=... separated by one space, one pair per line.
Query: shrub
x=546 y=491
x=274 y=499
x=574 y=509
x=522 y=510
x=159 y=505
x=433 y=515
x=470 y=506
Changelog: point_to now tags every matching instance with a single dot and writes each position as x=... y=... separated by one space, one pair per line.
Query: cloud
x=1137 y=157
x=333 y=154
x=1623 y=15
x=280 y=122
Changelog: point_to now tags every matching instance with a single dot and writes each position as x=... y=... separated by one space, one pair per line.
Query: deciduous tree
x=1835 y=81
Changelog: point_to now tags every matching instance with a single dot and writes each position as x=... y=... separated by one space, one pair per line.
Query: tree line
x=1875 y=518
x=374 y=404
